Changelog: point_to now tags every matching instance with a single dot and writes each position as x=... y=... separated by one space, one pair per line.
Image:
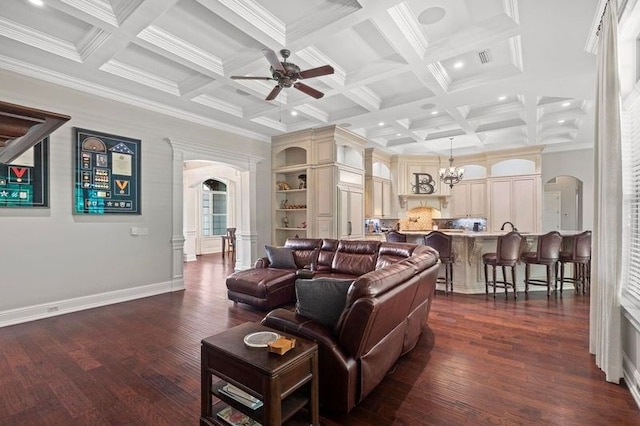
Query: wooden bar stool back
x=547 y=254
x=229 y=243
x=506 y=255
x=579 y=255
x=444 y=245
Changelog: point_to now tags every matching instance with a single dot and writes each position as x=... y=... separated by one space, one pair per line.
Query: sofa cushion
x=280 y=257
x=355 y=257
x=322 y=299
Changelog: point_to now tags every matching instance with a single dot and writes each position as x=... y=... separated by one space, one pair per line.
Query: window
x=631 y=195
x=214 y=208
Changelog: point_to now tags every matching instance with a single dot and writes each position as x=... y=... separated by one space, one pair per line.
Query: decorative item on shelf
x=283 y=186
x=284 y=204
x=304 y=225
x=285 y=222
x=303 y=181
x=424 y=184
x=451 y=175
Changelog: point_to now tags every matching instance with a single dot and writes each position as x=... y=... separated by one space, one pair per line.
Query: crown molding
x=139 y=76
x=176 y=46
x=92 y=41
x=38 y=39
x=43 y=74
x=440 y=74
x=313 y=112
x=269 y=122
x=515 y=48
x=218 y=104
x=99 y=9
x=366 y=97
x=409 y=26
x=259 y=17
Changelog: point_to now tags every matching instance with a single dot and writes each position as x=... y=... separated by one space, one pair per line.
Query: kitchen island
x=468 y=248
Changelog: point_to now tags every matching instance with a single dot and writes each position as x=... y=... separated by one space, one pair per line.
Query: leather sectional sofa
x=390 y=289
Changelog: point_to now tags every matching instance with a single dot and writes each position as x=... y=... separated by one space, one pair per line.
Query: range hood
x=22 y=127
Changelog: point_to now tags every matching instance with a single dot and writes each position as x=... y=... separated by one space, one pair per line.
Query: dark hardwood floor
x=480 y=361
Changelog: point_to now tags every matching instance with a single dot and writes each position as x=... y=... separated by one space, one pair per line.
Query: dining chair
x=229 y=243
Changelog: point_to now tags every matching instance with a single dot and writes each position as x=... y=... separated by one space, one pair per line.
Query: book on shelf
x=236 y=418
x=241 y=396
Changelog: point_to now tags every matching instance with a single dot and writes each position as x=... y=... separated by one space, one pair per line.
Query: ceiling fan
x=287 y=74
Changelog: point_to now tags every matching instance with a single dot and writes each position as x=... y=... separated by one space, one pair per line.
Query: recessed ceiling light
x=294 y=113
x=560 y=121
x=434 y=112
x=458 y=65
x=398 y=134
x=502 y=98
x=36 y=2
x=381 y=123
x=566 y=104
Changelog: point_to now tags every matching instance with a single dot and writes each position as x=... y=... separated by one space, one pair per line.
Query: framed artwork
x=107 y=173
x=25 y=181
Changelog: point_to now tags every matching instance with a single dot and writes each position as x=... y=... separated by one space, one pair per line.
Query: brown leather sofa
x=387 y=305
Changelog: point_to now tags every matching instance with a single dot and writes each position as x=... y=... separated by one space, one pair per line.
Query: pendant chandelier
x=451 y=175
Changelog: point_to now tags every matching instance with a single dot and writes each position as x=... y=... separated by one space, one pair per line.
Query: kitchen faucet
x=513 y=228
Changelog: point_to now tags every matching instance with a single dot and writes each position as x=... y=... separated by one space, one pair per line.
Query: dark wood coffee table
x=285 y=383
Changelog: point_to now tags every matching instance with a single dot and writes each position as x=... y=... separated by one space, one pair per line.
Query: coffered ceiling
x=492 y=74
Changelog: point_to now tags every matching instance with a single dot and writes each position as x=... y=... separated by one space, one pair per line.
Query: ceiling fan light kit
x=287 y=74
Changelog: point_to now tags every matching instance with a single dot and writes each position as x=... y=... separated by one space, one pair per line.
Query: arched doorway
x=244 y=166
x=562 y=204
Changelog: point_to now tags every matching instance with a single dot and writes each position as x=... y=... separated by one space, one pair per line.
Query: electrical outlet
x=134 y=230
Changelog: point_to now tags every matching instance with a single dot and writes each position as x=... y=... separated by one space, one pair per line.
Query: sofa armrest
x=305 y=274
x=262 y=262
x=338 y=371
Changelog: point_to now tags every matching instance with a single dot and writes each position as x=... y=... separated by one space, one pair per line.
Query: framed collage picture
x=25 y=181
x=107 y=173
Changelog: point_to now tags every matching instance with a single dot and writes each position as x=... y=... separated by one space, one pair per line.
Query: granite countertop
x=482 y=234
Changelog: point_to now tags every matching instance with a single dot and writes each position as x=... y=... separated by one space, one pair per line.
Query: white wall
x=573 y=163
x=52 y=258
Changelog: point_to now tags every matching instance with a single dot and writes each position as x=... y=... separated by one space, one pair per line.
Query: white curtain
x=605 y=341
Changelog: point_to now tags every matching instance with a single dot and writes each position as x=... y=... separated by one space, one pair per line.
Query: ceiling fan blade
x=273 y=59
x=276 y=90
x=317 y=72
x=308 y=90
x=249 y=77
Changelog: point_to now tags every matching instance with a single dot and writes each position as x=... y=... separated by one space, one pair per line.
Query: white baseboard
x=60 y=307
x=632 y=378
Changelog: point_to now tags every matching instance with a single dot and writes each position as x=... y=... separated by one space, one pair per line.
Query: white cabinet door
x=515 y=200
x=386 y=198
x=500 y=208
x=459 y=200
x=468 y=199
x=478 y=199
x=350 y=214
x=524 y=207
x=378 y=201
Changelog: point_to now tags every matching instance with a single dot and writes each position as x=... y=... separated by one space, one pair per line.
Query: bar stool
x=443 y=244
x=506 y=255
x=396 y=237
x=547 y=253
x=578 y=254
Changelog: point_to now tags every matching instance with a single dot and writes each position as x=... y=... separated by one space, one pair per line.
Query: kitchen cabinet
x=515 y=199
x=377 y=197
x=469 y=199
x=350 y=213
